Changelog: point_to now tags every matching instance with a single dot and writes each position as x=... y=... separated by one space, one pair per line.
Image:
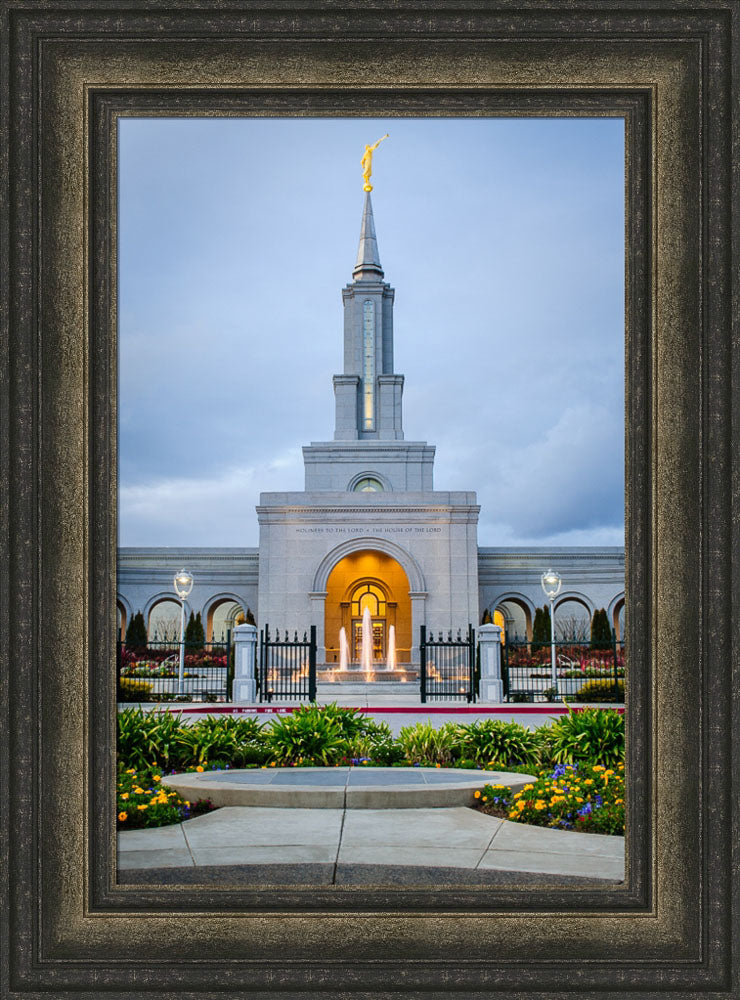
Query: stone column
x=318 y=618
x=491 y=685
x=418 y=618
x=245 y=645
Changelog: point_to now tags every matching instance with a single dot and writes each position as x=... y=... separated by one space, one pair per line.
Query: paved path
x=337 y=845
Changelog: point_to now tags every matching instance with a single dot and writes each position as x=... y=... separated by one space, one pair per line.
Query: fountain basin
x=358 y=676
x=342 y=787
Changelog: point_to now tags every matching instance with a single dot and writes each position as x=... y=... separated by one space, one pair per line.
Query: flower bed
x=142 y=802
x=584 y=797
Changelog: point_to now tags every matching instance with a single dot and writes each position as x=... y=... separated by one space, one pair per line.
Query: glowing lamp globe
x=183 y=583
x=551 y=583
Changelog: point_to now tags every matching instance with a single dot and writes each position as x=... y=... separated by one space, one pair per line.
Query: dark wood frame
x=67 y=70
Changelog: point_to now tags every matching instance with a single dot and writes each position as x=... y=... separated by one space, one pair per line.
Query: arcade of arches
x=373 y=580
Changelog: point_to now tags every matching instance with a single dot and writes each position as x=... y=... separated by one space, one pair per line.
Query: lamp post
x=183 y=586
x=551 y=584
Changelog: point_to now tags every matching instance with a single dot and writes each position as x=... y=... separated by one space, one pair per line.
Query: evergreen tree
x=546 y=625
x=189 y=630
x=541 y=629
x=601 y=633
x=486 y=618
x=136 y=637
x=250 y=617
x=199 y=635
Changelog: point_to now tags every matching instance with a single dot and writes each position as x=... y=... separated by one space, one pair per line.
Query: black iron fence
x=448 y=665
x=286 y=667
x=152 y=672
x=582 y=673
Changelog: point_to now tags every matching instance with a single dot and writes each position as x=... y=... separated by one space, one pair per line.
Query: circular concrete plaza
x=341 y=787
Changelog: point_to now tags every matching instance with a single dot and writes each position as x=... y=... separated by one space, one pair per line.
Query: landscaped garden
x=578 y=759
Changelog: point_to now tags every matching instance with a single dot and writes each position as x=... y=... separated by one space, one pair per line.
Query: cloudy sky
x=504 y=240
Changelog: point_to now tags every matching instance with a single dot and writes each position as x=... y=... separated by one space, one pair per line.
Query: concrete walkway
x=337 y=845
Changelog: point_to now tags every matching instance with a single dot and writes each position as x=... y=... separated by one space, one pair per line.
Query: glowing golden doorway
x=372 y=580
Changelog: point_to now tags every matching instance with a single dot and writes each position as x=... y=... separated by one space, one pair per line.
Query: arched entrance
x=376 y=581
x=224 y=612
x=163 y=623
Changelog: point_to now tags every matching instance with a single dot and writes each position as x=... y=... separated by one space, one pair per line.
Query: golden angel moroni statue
x=367 y=163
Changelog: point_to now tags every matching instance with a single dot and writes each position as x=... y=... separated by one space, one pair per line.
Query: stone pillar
x=318 y=618
x=245 y=645
x=418 y=618
x=491 y=685
x=346 y=389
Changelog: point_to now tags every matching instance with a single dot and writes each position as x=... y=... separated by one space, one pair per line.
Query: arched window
x=368 y=485
x=370 y=596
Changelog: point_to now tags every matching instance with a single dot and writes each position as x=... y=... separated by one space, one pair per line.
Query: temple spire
x=368 y=260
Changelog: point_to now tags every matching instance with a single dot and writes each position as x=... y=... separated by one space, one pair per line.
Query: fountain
x=343 y=649
x=365 y=672
x=366 y=652
x=391 y=660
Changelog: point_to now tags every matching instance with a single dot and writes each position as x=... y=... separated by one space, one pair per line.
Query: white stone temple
x=369 y=530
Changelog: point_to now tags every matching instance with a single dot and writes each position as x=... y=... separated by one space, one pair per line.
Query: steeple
x=367 y=267
x=368 y=445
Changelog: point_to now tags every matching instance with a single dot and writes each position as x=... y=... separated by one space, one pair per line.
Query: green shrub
x=376 y=744
x=130 y=689
x=504 y=742
x=423 y=744
x=600 y=690
x=147 y=739
x=351 y=721
x=305 y=737
x=220 y=741
x=595 y=735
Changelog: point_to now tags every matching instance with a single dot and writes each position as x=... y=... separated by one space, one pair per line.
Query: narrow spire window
x=368 y=365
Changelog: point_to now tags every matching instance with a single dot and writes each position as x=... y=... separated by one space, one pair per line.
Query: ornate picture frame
x=68 y=72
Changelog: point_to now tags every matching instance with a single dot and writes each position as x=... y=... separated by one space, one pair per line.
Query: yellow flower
x=157 y=777
x=138 y=791
x=513 y=814
x=609 y=771
x=598 y=767
x=618 y=801
x=131 y=771
x=144 y=805
x=539 y=805
x=122 y=817
x=484 y=799
x=528 y=788
x=272 y=763
x=187 y=803
x=588 y=781
x=477 y=794
x=578 y=798
x=124 y=795
x=199 y=768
